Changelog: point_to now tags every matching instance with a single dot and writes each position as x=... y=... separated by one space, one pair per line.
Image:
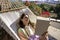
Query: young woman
x=25 y=27
x=26 y=30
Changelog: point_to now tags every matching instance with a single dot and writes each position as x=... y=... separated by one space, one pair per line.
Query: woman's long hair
x=20 y=21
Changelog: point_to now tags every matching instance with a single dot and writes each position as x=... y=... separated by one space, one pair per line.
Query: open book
x=41 y=25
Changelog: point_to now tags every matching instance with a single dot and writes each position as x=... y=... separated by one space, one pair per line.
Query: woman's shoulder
x=19 y=29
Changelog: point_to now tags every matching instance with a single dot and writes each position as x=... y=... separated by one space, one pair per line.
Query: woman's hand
x=42 y=38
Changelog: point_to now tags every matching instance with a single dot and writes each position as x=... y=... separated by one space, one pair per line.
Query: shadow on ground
x=52 y=38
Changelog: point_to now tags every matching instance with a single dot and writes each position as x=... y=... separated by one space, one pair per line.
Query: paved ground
x=54 y=32
x=55 y=24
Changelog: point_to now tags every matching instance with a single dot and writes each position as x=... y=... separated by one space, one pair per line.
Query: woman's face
x=25 y=20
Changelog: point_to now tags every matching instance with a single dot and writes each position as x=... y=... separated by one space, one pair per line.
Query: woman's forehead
x=27 y=16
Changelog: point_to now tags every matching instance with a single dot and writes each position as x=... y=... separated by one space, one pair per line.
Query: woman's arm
x=22 y=36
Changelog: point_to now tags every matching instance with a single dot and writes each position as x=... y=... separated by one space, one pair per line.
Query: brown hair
x=44 y=33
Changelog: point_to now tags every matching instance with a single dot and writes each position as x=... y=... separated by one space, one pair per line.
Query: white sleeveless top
x=29 y=30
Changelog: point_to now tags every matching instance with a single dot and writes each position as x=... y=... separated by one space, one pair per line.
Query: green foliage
x=35 y=8
x=45 y=6
x=57 y=10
